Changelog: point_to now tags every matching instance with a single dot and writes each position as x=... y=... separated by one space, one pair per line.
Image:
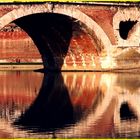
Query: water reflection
x=70 y=105
x=52 y=108
x=17 y=92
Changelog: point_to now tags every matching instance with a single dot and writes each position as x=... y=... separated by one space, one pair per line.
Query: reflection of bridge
x=80 y=37
x=107 y=120
x=105 y=94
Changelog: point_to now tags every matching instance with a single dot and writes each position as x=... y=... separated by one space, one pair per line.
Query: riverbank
x=37 y=66
x=20 y=66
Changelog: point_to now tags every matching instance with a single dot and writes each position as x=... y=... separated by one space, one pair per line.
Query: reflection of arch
x=79 y=129
x=126 y=113
x=56 y=96
x=52 y=109
x=131 y=125
x=23 y=11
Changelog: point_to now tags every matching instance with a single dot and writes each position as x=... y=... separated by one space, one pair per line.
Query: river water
x=69 y=105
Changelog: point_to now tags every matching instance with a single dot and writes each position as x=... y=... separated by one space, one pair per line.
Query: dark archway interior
x=126 y=113
x=125 y=27
x=51 y=33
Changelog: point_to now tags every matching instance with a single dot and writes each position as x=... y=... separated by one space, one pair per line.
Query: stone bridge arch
x=70 y=11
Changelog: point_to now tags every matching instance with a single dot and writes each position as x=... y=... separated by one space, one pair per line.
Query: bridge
x=80 y=36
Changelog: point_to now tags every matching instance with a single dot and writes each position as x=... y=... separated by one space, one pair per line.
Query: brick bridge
x=69 y=36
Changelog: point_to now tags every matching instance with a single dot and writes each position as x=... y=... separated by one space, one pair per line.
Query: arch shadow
x=52 y=34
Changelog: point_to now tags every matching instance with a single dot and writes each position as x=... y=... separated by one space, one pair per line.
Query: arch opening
x=125 y=27
x=61 y=40
x=51 y=36
x=77 y=42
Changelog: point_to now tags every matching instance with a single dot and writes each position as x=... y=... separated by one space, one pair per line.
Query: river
x=69 y=105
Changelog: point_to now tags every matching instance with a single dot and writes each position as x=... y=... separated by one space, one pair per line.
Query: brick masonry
x=95 y=44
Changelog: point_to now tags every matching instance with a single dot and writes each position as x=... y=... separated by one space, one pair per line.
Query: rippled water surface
x=69 y=105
